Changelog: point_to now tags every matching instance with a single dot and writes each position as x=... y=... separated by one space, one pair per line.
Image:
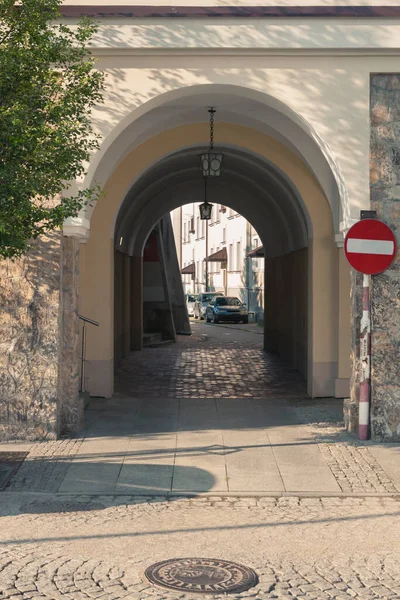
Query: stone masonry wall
x=39 y=341
x=385 y=297
x=70 y=405
x=29 y=342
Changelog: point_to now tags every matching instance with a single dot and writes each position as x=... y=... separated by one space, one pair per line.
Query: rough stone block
x=29 y=341
x=385 y=293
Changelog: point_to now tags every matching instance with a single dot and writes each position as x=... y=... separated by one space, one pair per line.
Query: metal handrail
x=83 y=357
x=88 y=320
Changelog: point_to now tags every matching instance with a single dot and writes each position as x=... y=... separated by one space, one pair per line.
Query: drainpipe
x=248 y=261
x=206 y=253
x=180 y=238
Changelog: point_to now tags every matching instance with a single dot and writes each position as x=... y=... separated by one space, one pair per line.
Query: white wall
x=314 y=72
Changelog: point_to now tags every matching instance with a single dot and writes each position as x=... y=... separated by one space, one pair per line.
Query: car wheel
x=215 y=320
x=245 y=321
x=208 y=320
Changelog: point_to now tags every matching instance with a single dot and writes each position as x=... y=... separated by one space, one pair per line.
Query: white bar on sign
x=370 y=246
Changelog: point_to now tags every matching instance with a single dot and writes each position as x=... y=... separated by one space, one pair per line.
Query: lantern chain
x=212 y=112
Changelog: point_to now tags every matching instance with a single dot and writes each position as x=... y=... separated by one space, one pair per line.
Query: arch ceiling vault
x=252 y=187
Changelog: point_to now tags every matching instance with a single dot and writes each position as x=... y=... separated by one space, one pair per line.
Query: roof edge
x=149 y=12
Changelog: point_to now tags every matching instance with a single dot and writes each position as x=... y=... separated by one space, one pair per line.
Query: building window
x=238 y=256
x=231 y=265
x=224 y=235
x=203 y=228
x=198 y=227
x=255 y=243
x=215 y=213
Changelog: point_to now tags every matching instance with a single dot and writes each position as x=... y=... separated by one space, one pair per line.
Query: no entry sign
x=370 y=246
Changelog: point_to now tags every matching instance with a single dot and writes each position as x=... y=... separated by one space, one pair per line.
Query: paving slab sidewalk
x=206 y=446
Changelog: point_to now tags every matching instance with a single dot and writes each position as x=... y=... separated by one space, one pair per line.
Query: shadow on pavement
x=91 y=485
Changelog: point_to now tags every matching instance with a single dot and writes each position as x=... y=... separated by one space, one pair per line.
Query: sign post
x=370 y=247
x=365 y=359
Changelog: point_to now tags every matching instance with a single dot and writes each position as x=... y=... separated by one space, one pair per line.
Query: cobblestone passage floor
x=209 y=367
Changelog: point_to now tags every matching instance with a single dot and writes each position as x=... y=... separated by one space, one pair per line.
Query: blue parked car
x=202 y=301
x=227 y=308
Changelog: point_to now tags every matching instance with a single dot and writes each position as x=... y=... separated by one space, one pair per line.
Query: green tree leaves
x=48 y=87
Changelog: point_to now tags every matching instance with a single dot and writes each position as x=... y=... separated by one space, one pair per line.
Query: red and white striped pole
x=365 y=358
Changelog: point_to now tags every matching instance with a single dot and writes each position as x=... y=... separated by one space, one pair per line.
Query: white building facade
x=227 y=236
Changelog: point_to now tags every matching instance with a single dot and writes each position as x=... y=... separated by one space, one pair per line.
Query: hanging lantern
x=211 y=161
x=211 y=164
x=205 y=211
x=205 y=208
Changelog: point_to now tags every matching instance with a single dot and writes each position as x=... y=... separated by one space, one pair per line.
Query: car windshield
x=191 y=299
x=228 y=302
x=208 y=297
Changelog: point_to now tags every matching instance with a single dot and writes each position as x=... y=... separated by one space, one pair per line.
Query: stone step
x=152 y=338
x=155 y=340
x=85 y=396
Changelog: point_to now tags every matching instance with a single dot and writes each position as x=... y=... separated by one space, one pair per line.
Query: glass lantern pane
x=205 y=164
x=215 y=166
x=211 y=163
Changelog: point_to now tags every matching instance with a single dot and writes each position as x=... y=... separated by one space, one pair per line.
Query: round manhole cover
x=202 y=575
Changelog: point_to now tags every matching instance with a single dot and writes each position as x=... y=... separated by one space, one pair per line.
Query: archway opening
x=273 y=188
x=250 y=186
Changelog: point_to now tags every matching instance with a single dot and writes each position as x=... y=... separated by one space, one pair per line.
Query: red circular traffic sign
x=370 y=246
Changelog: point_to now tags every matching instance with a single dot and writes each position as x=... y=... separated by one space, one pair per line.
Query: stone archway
x=324 y=286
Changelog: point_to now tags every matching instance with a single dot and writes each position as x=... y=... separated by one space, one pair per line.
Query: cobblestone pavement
x=208 y=369
x=98 y=547
x=46 y=466
x=349 y=459
x=34 y=575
